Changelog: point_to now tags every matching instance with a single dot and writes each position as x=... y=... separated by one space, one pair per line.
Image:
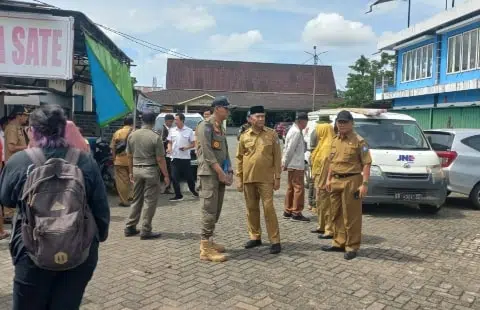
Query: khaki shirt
x=349 y=154
x=259 y=156
x=14 y=134
x=211 y=146
x=120 y=135
x=145 y=145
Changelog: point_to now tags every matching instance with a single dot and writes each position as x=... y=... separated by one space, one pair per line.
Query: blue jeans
x=39 y=289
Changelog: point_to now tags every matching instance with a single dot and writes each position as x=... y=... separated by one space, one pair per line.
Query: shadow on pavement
x=460 y=203
x=405 y=211
x=180 y=236
x=371 y=239
x=292 y=250
x=388 y=254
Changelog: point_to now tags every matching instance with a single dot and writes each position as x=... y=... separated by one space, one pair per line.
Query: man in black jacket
x=169 y=118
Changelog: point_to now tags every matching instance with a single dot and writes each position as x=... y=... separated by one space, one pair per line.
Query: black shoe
x=287 y=215
x=329 y=248
x=195 y=194
x=176 y=198
x=350 y=255
x=130 y=232
x=149 y=235
x=122 y=204
x=323 y=236
x=317 y=231
x=253 y=243
x=300 y=217
x=276 y=248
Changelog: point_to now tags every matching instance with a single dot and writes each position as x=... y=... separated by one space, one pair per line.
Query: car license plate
x=194 y=163
x=406 y=196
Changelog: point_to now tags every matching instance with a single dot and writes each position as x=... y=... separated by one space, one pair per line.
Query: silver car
x=459 y=151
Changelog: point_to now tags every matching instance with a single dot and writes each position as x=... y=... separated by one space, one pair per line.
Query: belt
x=144 y=166
x=344 y=175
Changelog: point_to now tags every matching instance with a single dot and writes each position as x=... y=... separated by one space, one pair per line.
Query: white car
x=405 y=169
x=191 y=121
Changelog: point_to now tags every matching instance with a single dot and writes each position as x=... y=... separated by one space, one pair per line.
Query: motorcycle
x=103 y=157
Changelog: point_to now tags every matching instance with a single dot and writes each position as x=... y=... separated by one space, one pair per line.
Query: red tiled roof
x=248 y=76
x=271 y=101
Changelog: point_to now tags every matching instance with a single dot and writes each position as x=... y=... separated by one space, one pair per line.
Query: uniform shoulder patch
x=364 y=148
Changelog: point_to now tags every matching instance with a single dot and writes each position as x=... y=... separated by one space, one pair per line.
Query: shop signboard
x=36 y=45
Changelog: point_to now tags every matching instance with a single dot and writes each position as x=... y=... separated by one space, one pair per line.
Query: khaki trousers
x=295 y=197
x=211 y=193
x=122 y=182
x=322 y=200
x=253 y=192
x=145 y=194
x=346 y=212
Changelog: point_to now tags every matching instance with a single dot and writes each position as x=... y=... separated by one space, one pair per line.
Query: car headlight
x=375 y=171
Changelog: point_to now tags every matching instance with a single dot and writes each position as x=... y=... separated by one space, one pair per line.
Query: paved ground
x=407 y=261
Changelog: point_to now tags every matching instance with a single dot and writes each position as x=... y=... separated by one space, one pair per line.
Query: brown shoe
x=209 y=254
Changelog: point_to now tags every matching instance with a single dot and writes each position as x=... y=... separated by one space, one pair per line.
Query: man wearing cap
x=293 y=161
x=320 y=143
x=258 y=175
x=347 y=182
x=167 y=125
x=146 y=159
x=214 y=173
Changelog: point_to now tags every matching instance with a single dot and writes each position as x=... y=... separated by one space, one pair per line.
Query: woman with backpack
x=55 y=233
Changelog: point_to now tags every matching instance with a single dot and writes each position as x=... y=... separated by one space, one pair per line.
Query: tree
x=360 y=82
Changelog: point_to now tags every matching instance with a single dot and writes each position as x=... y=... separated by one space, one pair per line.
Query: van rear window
x=440 y=141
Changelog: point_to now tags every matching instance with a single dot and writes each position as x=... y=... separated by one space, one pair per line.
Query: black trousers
x=39 y=289
x=168 y=162
x=181 y=170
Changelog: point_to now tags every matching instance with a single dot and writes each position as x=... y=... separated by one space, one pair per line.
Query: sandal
x=5 y=235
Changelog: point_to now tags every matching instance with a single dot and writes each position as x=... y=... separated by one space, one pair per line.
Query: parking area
x=408 y=260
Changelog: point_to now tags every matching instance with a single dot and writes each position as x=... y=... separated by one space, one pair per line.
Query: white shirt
x=294 y=150
x=180 y=138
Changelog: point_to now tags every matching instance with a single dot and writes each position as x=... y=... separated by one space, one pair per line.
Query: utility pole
x=409 y=11
x=453 y=3
x=446 y=5
x=315 y=63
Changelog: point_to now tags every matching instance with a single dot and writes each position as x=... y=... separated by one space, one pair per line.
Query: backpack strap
x=72 y=156
x=36 y=156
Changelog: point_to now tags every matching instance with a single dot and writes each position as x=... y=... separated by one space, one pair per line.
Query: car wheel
x=429 y=209
x=475 y=197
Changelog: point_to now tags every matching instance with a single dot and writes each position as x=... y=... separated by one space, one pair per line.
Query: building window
x=78 y=103
x=464 y=52
x=418 y=64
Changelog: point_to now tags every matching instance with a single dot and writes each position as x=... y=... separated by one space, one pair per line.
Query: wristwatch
x=365 y=183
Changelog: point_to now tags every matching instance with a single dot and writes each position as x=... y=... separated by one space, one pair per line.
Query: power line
x=139 y=41
x=144 y=43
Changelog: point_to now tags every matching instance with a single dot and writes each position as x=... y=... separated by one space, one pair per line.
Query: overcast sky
x=251 y=30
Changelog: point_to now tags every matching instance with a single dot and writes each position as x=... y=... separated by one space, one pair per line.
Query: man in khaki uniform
x=15 y=141
x=259 y=169
x=347 y=181
x=214 y=172
x=321 y=142
x=118 y=146
x=145 y=156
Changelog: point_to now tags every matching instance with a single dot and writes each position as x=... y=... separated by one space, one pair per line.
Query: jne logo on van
x=407 y=158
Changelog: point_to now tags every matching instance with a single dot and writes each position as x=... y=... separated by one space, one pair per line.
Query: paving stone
x=408 y=260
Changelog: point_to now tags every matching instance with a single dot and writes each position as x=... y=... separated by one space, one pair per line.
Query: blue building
x=437 y=74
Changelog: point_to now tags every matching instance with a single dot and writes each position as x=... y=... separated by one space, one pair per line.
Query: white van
x=405 y=169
